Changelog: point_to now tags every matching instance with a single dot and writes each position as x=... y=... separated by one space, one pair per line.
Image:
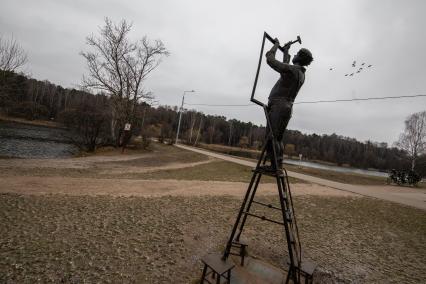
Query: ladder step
x=288 y=216
x=263 y=218
x=266 y=205
x=269 y=172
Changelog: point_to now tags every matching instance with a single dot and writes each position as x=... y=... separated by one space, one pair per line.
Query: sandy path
x=69 y=163
x=408 y=196
x=125 y=169
x=132 y=187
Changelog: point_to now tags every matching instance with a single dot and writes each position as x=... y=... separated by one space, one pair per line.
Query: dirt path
x=148 y=188
x=104 y=164
x=403 y=195
x=70 y=163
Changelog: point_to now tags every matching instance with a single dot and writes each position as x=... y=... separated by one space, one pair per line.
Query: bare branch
x=12 y=55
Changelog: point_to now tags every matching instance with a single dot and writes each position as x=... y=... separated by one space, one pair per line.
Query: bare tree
x=413 y=139
x=12 y=55
x=118 y=66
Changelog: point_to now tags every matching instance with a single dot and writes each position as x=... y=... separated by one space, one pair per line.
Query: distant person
x=284 y=92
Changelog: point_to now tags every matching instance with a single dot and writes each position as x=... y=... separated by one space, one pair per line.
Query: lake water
x=28 y=141
x=335 y=168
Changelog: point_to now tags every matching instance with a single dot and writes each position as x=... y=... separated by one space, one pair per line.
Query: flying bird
x=369 y=66
x=363 y=64
x=354 y=63
x=331 y=69
x=351 y=74
x=346 y=75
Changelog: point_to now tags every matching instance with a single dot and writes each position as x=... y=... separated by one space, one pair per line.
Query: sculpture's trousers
x=279 y=111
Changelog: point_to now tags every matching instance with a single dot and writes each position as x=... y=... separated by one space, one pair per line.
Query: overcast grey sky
x=215 y=47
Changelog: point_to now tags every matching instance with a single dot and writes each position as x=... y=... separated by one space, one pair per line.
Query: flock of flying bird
x=362 y=67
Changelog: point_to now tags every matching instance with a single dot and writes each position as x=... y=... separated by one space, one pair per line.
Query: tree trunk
x=190 y=132
x=113 y=123
x=198 y=133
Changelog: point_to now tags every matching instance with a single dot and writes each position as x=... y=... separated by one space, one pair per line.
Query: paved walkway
x=414 y=197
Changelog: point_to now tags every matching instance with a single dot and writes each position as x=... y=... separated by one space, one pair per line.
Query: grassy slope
x=349 y=178
x=217 y=171
x=45 y=123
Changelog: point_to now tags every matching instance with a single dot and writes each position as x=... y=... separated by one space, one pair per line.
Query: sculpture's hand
x=287 y=45
x=276 y=40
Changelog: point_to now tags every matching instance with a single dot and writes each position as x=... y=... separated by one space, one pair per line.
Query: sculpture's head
x=303 y=57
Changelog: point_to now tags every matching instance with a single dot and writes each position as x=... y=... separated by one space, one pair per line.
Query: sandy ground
x=61 y=238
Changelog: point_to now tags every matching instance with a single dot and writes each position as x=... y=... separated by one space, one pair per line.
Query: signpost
x=126 y=135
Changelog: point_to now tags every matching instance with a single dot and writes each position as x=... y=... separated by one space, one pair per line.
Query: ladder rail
x=234 y=229
x=287 y=232
x=294 y=214
x=291 y=231
x=282 y=190
x=243 y=222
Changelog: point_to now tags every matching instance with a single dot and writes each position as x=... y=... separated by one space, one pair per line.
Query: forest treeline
x=89 y=117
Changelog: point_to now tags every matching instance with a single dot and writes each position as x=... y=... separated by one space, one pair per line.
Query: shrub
x=90 y=126
x=29 y=110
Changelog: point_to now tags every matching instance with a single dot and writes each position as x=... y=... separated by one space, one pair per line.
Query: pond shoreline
x=41 y=123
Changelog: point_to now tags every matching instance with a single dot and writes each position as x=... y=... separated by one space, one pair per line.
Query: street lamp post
x=180 y=113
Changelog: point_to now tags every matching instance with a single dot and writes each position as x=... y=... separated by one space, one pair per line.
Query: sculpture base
x=256 y=271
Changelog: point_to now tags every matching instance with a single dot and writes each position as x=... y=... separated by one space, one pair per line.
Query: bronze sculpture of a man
x=285 y=90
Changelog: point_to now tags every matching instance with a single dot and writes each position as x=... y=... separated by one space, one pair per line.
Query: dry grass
x=159 y=155
x=80 y=239
x=46 y=123
x=214 y=171
x=235 y=151
x=163 y=155
x=349 y=178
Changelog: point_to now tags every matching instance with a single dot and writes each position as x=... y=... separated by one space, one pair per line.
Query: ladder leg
x=287 y=280
x=243 y=205
x=287 y=229
x=254 y=178
x=248 y=207
x=293 y=225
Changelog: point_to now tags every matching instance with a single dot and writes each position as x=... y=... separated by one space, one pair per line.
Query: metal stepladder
x=286 y=207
